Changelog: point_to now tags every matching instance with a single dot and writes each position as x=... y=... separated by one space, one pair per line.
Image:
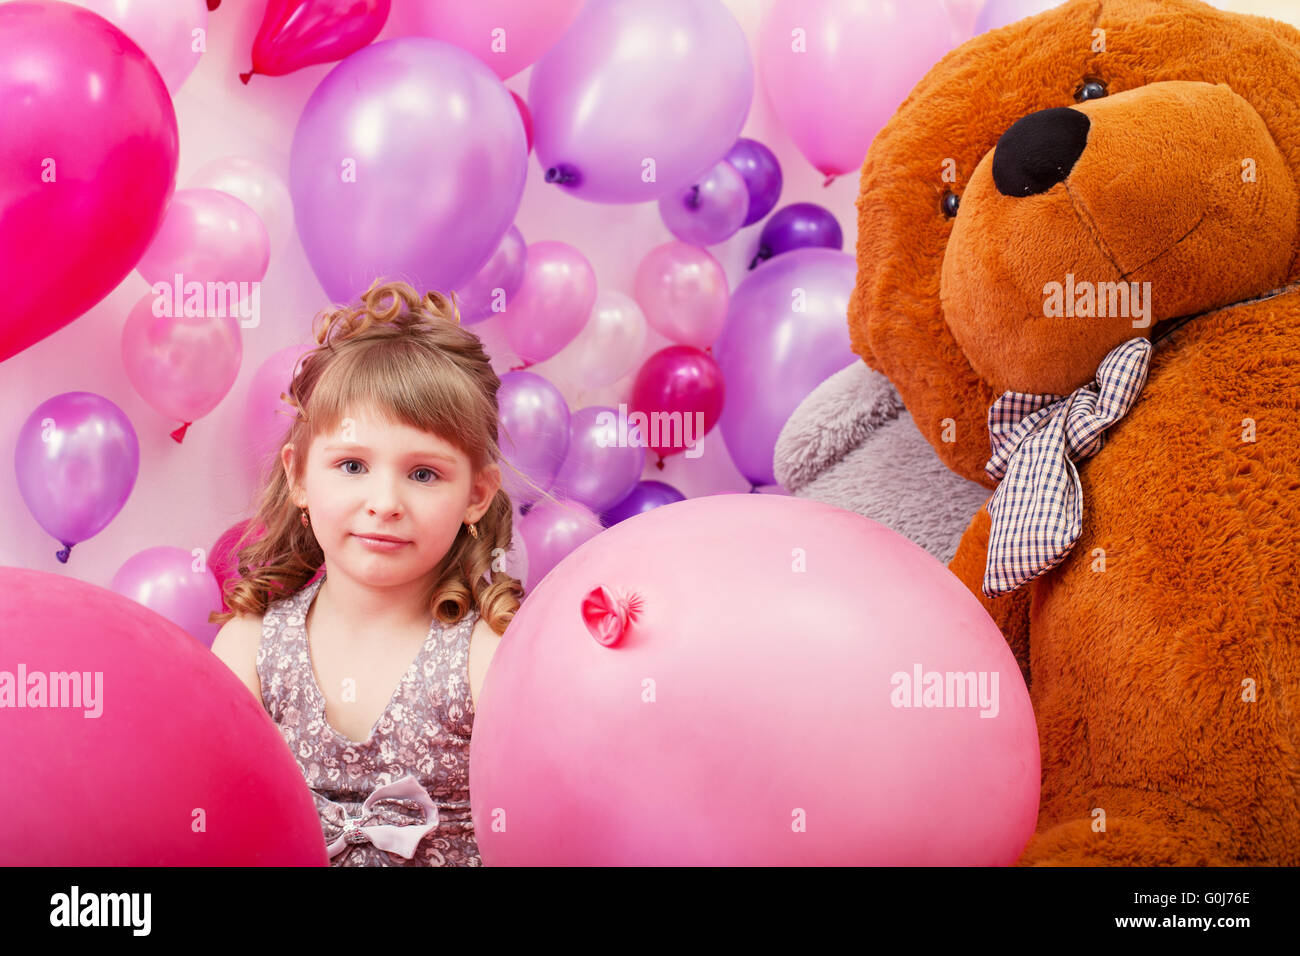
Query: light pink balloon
x=164 y=29
x=267 y=417
x=164 y=580
x=683 y=292
x=608 y=347
x=208 y=236
x=507 y=35
x=553 y=302
x=255 y=183
x=837 y=71
x=550 y=531
x=182 y=365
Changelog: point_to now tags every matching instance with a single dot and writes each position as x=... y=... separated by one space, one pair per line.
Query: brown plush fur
x=1183 y=591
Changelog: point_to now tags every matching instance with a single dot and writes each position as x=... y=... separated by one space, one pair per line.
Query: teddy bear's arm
x=1010 y=611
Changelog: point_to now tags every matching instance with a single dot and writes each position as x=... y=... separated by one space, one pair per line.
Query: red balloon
x=682 y=379
x=298 y=33
x=87 y=164
x=527 y=118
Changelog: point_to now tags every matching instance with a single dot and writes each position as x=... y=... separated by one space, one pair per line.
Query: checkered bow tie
x=386 y=819
x=1037 y=509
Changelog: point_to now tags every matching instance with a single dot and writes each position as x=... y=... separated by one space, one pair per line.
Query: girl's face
x=373 y=477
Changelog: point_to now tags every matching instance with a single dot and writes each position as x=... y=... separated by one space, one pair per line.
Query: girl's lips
x=378 y=544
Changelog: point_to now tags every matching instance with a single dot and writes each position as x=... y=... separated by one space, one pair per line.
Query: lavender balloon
x=646 y=496
x=496 y=282
x=709 y=211
x=604 y=461
x=409 y=160
x=801 y=225
x=551 y=531
x=759 y=168
x=785 y=334
x=164 y=580
x=998 y=13
x=640 y=97
x=534 y=432
x=76 y=458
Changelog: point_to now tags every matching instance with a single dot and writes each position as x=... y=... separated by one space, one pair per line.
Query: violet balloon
x=998 y=13
x=298 y=33
x=164 y=580
x=534 y=419
x=683 y=291
x=646 y=496
x=640 y=97
x=604 y=461
x=785 y=334
x=550 y=531
x=408 y=160
x=709 y=211
x=496 y=282
x=800 y=225
x=76 y=458
x=209 y=236
x=759 y=168
x=553 y=303
x=680 y=391
x=89 y=118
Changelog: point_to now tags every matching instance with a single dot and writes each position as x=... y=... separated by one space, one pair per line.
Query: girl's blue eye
x=352 y=461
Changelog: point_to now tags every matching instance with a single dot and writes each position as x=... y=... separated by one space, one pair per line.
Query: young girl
x=366 y=616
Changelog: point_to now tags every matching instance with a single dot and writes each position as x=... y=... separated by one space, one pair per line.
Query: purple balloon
x=785 y=334
x=409 y=161
x=500 y=277
x=801 y=225
x=534 y=432
x=551 y=531
x=163 y=579
x=998 y=13
x=646 y=496
x=759 y=168
x=709 y=211
x=604 y=461
x=77 y=458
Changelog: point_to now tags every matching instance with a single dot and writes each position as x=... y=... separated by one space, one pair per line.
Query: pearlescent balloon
x=604 y=460
x=709 y=211
x=534 y=433
x=165 y=580
x=255 y=184
x=553 y=302
x=608 y=346
x=499 y=279
x=683 y=291
x=551 y=531
x=759 y=168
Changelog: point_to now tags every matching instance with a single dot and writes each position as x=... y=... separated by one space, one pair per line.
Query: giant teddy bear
x=1077 y=249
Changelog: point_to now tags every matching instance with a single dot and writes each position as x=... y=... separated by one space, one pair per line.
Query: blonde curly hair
x=408 y=355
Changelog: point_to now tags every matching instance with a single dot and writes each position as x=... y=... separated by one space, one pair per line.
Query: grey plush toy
x=852 y=444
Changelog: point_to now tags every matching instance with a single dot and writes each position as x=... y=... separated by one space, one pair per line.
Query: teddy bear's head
x=1058 y=186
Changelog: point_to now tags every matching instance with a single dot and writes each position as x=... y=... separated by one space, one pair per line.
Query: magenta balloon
x=88 y=153
x=551 y=531
x=208 y=236
x=534 y=430
x=710 y=210
x=223 y=559
x=684 y=381
x=785 y=334
x=683 y=292
x=76 y=458
x=298 y=33
x=408 y=161
x=602 y=465
x=553 y=302
x=835 y=71
x=640 y=97
x=267 y=416
x=163 y=579
x=507 y=35
x=496 y=282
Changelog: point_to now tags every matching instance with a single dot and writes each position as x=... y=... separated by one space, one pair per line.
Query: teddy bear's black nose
x=1039 y=150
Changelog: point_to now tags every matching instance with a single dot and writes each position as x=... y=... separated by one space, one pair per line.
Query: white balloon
x=258 y=185
x=608 y=347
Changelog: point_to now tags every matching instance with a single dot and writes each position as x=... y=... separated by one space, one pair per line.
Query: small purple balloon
x=551 y=531
x=604 y=460
x=164 y=580
x=77 y=458
x=534 y=435
x=709 y=211
x=496 y=281
x=646 y=496
x=801 y=225
x=759 y=168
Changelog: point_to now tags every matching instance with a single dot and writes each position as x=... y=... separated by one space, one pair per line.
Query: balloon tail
x=556 y=174
x=179 y=434
x=830 y=178
x=660 y=463
x=62 y=553
x=213 y=4
x=759 y=256
x=247 y=76
x=693 y=200
x=753 y=488
x=520 y=368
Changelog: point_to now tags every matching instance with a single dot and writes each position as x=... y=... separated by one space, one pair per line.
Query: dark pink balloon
x=674 y=383
x=298 y=33
x=223 y=559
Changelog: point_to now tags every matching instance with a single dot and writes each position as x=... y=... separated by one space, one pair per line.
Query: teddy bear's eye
x=1091 y=90
x=949 y=204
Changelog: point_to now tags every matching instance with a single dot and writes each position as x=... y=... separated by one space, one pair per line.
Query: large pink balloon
x=165 y=30
x=88 y=153
x=208 y=236
x=836 y=71
x=683 y=291
x=731 y=680
x=298 y=33
x=175 y=583
x=640 y=97
x=507 y=35
x=553 y=302
x=550 y=531
x=200 y=774
x=409 y=160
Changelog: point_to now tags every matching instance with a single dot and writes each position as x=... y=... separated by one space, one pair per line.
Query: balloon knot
x=62 y=553
x=179 y=434
x=763 y=253
x=561 y=174
x=830 y=178
x=247 y=76
x=660 y=463
x=693 y=200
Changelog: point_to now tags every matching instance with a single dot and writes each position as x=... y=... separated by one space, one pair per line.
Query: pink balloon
x=267 y=416
x=182 y=365
x=550 y=531
x=208 y=236
x=507 y=35
x=163 y=28
x=298 y=33
x=526 y=116
x=256 y=184
x=164 y=580
x=683 y=291
x=89 y=159
x=836 y=71
x=553 y=302
x=710 y=210
x=642 y=673
x=675 y=383
x=144 y=692
x=223 y=560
